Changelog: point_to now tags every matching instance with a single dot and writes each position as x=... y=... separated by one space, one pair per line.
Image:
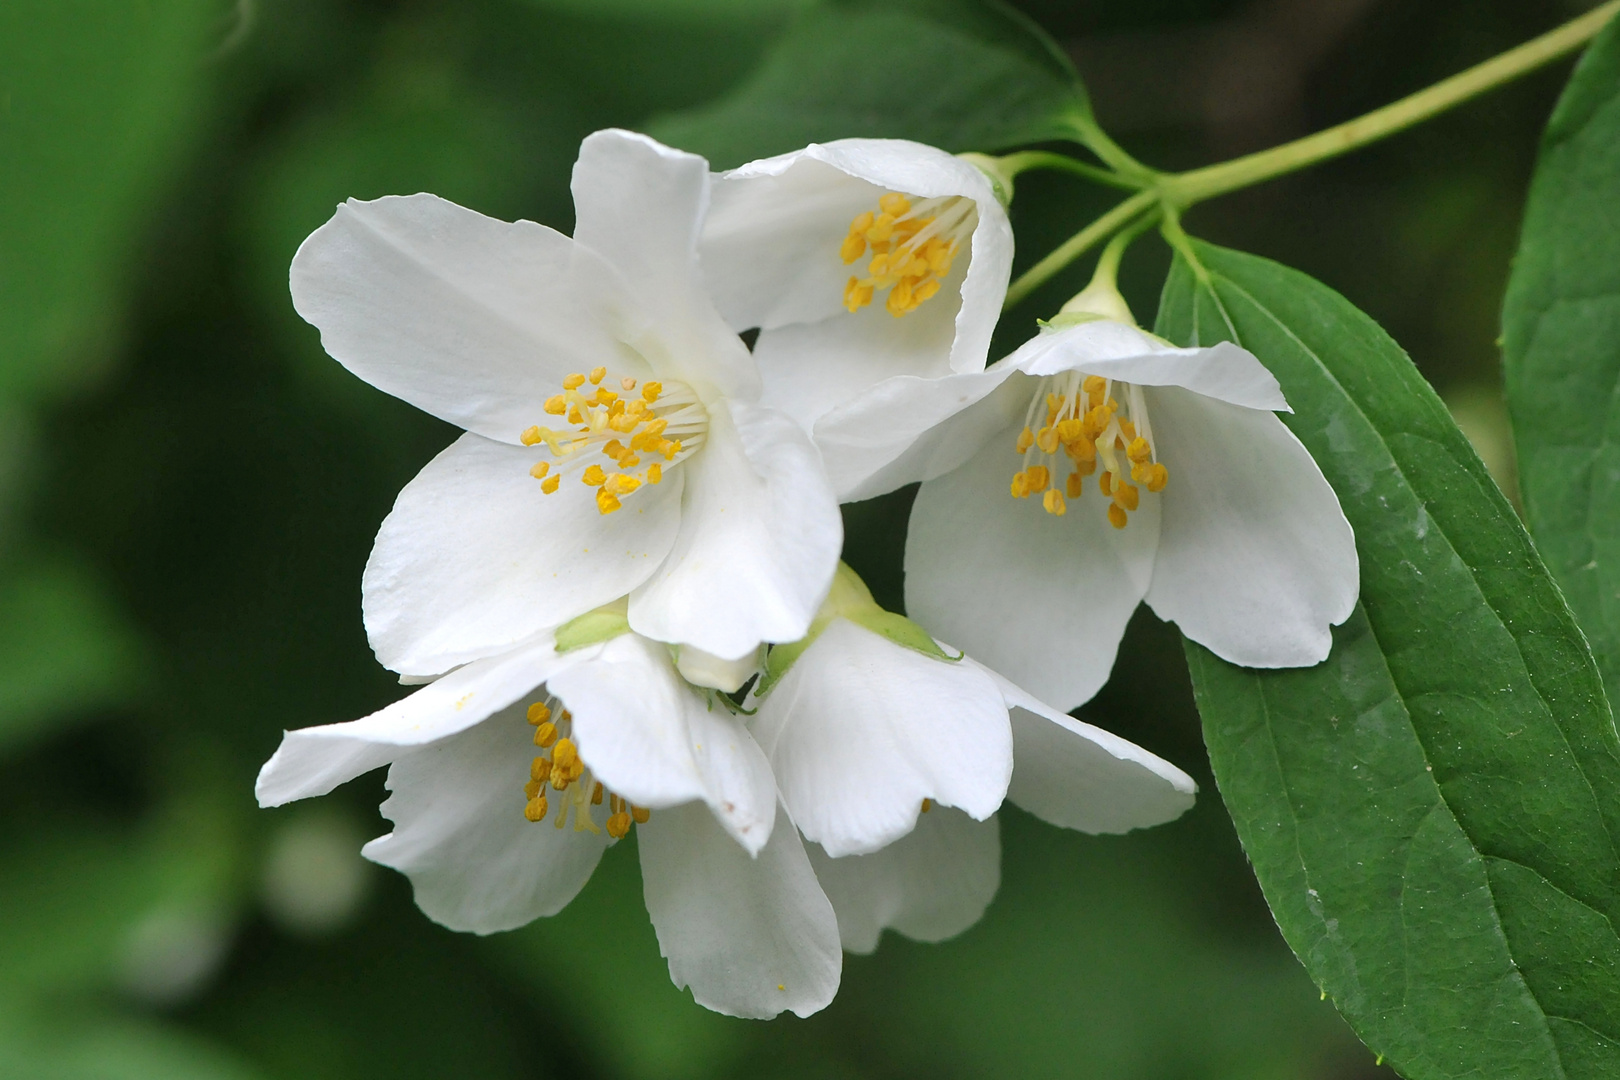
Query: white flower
x=1095 y=467
x=871 y=724
x=709 y=509
x=511 y=775
x=857 y=260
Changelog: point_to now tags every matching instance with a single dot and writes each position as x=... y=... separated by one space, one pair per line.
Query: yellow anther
x=1116 y=516
x=1075 y=485
x=574 y=381
x=532 y=788
x=566 y=755
x=550 y=483
x=539 y=469
x=535 y=808
x=597 y=374
x=615 y=407
x=669 y=448
x=856 y=295
x=1139 y=450
x=574 y=415
x=539 y=713
x=1158 y=476
x=596 y=795
x=594 y=476
x=900 y=300
x=894 y=203
x=1039 y=477
x=615 y=804
x=1020 y=485
x=927 y=805
x=1026 y=439
x=624 y=422
x=530 y=436
x=641 y=814
x=881 y=229
x=1127 y=496
x=653 y=429
x=651 y=390
x=1070 y=431
x=607 y=503
x=1105 y=482
x=627 y=384
x=614 y=449
x=620 y=484
x=1047 y=440
x=556 y=405
x=1127 y=429
x=1054 y=504
x=618 y=825
x=604 y=396
x=854 y=245
x=545 y=734
x=655 y=473
x=1095 y=422
x=540 y=769
x=1094 y=384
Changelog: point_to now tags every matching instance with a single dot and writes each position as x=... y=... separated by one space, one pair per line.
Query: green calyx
x=604 y=624
x=850 y=599
x=994 y=169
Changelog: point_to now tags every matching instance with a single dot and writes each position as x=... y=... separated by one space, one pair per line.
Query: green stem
x=1079 y=244
x=1171 y=194
x=1187 y=188
x=1025 y=160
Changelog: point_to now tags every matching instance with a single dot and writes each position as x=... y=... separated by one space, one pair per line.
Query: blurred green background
x=189 y=487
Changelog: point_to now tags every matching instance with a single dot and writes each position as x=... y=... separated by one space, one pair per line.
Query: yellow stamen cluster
x=563 y=773
x=633 y=431
x=1084 y=418
x=912 y=245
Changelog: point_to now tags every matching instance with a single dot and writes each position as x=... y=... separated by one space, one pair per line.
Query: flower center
x=1083 y=416
x=561 y=771
x=665 y=421
x=912 y=246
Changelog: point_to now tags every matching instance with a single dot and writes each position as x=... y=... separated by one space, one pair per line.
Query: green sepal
x=604 y=624
x=849 y=599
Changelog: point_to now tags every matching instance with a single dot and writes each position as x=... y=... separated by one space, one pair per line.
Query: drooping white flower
x=857 y=260
x=598 y=359
x=1095 y=467
x=510 y=776
x=868 y=724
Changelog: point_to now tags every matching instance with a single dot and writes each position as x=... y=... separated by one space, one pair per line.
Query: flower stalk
x=1166 y=195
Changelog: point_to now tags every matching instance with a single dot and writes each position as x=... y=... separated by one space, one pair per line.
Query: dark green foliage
x=1561 y=344
x=1432 y=811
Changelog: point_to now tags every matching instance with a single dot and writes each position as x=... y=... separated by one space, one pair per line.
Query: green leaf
x=1561 y=344
x=1431 y=811
x=957 y=74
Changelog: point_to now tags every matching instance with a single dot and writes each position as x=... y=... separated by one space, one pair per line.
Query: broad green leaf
x=96 y=102
x=1431 y=811
x=958 y=74
x=1561 y=345
x=85 y=1045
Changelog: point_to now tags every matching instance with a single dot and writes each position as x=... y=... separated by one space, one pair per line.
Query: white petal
x=759 y=539
x=475 y=558
x=751 y=936
x=653 y=739
x=809 y=369
x=314 y=760
x=770 y=247
x=466 y=317
x=1044 y=600
x=1113 y=350
x=1077 y=776
x=861 y=730
x=475 y=861
x=931 y=884
x=641 y=205
x=908 y=429
x=1256 y=559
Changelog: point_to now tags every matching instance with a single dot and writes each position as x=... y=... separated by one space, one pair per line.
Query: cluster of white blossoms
x=622 y=588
